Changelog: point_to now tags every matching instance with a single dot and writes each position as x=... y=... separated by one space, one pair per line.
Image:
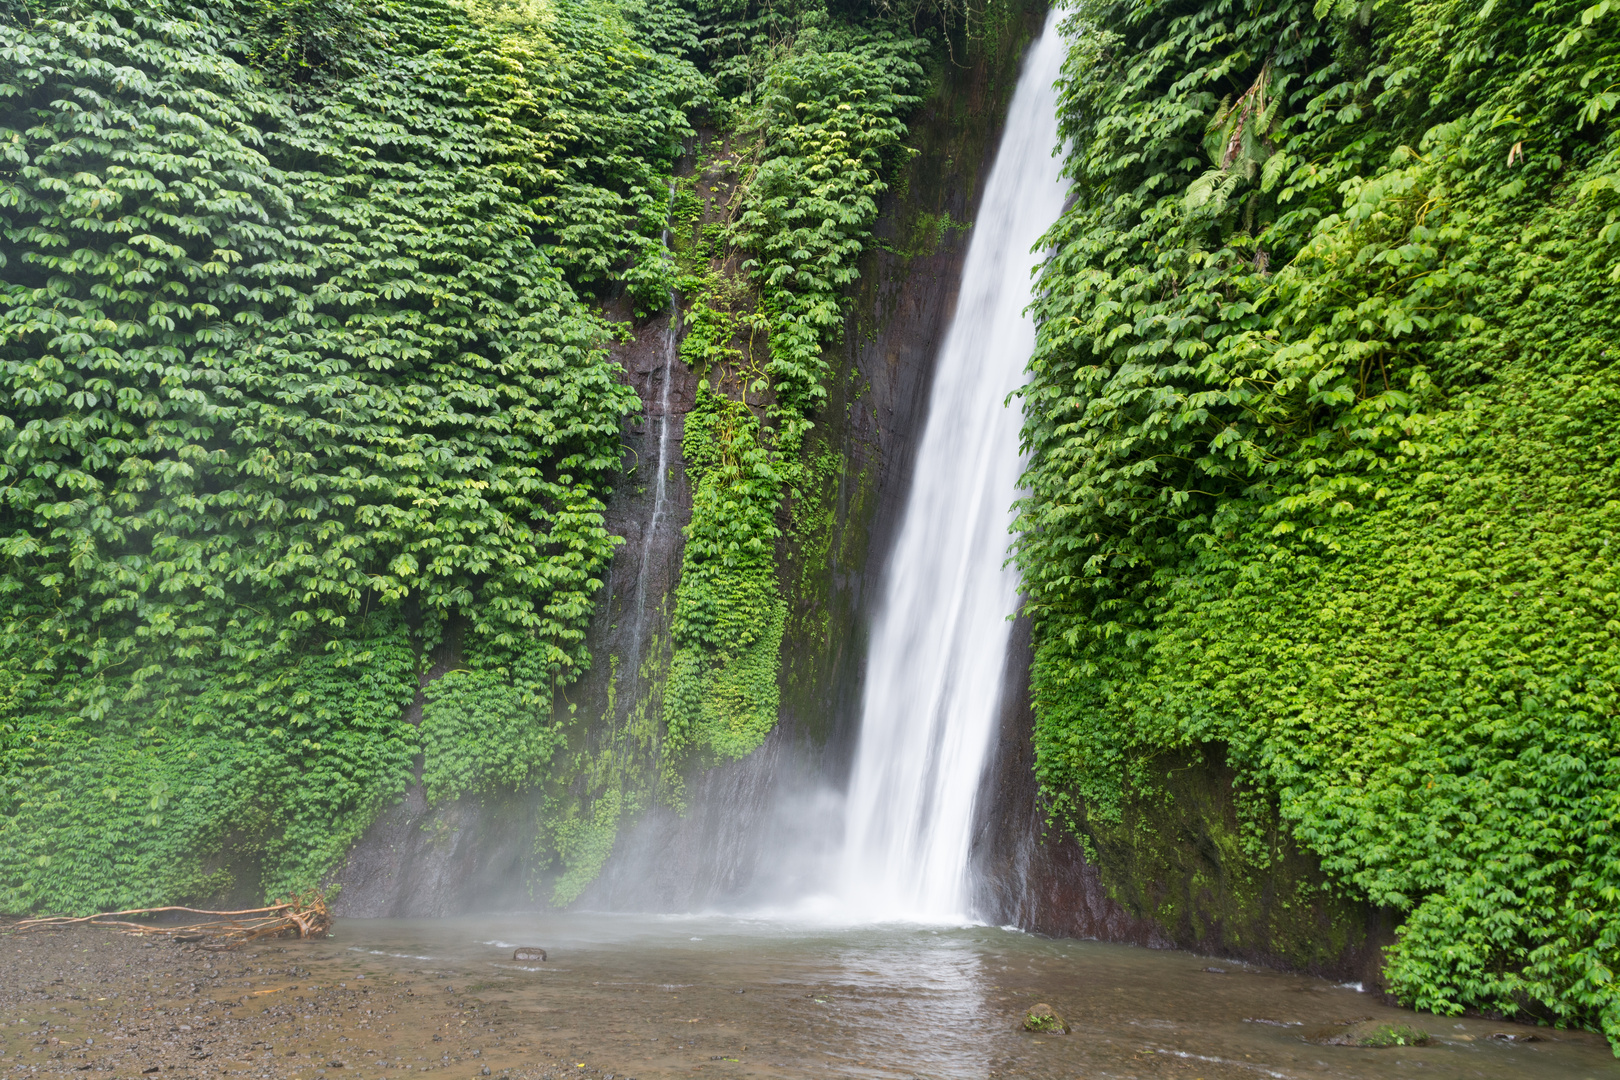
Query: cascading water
x=933 y=675
x=672 y=339
x=661 y=484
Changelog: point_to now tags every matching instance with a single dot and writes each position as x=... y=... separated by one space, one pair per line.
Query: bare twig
x=302 y=916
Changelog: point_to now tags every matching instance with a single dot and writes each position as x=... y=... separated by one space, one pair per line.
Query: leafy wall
x=1322 y=424
x=307 y=394
x=816 y=106
x=300 y=365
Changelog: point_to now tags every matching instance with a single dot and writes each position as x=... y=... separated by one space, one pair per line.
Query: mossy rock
x=1042 y=1018
x=1370 y=1033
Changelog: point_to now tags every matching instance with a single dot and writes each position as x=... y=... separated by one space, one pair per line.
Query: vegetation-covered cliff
x=1324 y=482
x=306 y=370
x=311 y=432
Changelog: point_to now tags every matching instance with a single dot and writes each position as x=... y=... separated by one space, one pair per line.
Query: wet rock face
x=1026 y=874
x=1173 y=873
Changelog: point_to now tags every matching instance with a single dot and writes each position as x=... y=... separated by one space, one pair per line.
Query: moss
x=583 y=844
x=729 y=700
x=1210 y=864
x=610 y=774
x=1371 y=1034
x=1041 y=1018
x=1394 y=1035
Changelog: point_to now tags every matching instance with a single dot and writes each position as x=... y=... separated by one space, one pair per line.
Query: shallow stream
x=663 y=996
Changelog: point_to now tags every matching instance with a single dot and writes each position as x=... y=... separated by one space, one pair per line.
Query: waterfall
x=672 y=349
x=672 y=337
x=933 y=676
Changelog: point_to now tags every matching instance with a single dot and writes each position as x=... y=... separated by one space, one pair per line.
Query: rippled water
x=650 y=997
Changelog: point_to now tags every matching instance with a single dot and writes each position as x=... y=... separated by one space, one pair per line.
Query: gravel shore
x=98 y=1002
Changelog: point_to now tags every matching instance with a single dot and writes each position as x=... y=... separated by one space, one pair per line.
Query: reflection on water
x=661 y=996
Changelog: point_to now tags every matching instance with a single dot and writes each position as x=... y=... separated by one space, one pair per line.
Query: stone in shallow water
x=529 y=952
x=1042 y=1018
x=1370 y=1033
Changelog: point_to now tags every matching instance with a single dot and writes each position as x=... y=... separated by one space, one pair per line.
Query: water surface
x=664 y=996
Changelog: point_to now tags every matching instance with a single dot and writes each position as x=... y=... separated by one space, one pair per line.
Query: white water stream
x=933 y=677
x=672 y=342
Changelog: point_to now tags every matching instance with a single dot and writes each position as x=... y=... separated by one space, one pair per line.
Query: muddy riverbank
x=95 y=1001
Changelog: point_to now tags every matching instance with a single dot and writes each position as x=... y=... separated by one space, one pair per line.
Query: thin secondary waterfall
x=672 y=340
x=933 y=676
x=661 y=484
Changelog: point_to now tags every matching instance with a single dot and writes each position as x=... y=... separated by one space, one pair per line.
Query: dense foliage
x=296 y=372
x=1323 y=474
x=306 y=391
x=819 y=105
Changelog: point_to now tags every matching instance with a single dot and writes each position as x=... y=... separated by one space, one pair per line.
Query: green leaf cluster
x=820 y=103
x=487 y=727
x=832 y=120
x=1321 y=424
x=296 y=372
x=729 y=613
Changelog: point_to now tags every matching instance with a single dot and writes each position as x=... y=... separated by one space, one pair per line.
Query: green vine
x=297 y=369
x=819 y=107
x=1323 y=454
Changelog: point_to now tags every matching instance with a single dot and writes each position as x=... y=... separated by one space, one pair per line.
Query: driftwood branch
x=302 y=916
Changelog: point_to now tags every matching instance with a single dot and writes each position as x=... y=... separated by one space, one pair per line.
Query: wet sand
x=96 y=1001
x=639 y=998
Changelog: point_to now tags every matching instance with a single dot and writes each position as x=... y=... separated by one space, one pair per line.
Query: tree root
x=303 y=916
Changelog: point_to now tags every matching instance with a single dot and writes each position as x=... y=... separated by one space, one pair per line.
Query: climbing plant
x=296 y=371
x=818 y=108
x=1322 y=462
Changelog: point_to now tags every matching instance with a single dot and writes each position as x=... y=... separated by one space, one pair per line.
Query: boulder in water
x=1042 y=1018
x=529 y=952
x=1370 y=1033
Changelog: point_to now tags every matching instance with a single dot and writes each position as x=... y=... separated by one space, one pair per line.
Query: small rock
x=529 y=952
x=1514 y=1036
x=1214 y=970
x=1042 y=1018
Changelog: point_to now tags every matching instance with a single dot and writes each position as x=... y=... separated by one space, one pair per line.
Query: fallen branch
x=302 y=916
